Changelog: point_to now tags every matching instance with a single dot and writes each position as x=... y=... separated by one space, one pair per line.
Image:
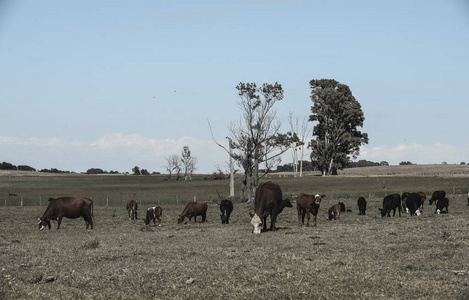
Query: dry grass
x=356 y=257
x=412 y=170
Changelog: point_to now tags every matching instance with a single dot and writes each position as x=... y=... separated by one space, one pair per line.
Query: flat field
x=356 y=257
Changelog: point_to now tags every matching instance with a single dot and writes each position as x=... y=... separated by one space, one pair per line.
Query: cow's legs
x=301 y=216
x=87 y=222
x=204 y=216
x=308 y=217
x=273 y=219
x=59 y=220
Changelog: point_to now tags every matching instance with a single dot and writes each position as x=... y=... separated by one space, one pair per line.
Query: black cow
x=226 y=207
x=414 y=202
x=437 y=195
x=443 y=203
x=391 y=202
x=342 y=207
x=361 y=202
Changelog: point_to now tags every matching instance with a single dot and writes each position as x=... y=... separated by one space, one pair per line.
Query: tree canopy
x=338 y=115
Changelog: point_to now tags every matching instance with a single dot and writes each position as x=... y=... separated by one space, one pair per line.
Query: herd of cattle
x=268 y=201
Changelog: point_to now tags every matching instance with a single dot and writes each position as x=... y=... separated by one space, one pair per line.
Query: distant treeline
x=11 y=167
x=308 y=166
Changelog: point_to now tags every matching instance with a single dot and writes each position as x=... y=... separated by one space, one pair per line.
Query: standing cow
x=307 y=204
x=267 y=202
x=437 y=195
x=69 y=207
x=154 y=213
x=391 y=202
x=226 y=207
x=131 y=207
x=194 y=209
x=361 y=202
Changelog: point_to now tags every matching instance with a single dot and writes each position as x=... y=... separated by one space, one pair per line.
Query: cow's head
x=180 y=219
x=318 y=198
x=43 y=222
x=383 y=212
x=256 y=223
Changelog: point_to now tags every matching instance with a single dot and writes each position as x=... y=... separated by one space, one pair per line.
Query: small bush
x=91 y=244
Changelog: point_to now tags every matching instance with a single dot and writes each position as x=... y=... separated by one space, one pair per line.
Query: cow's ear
x=323 y=196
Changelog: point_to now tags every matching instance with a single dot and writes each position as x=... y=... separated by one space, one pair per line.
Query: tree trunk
x=231 y=173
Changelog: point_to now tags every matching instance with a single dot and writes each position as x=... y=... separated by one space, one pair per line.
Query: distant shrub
x=7 y=166
x=95 y=171
x=216 y=176
x=91 y=244
x=25 y=168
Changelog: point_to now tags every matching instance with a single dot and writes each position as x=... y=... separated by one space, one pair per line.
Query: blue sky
x=117 y=84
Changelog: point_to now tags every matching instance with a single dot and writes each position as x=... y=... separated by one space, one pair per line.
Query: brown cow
x=154 y=213
x=69 y=207
x=194 y=209
x=267 y=202
x=307 y=204
x=334 y=212
x=423 y=196
x=131 y=207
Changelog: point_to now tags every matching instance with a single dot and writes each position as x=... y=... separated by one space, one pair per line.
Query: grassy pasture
x=356 y=257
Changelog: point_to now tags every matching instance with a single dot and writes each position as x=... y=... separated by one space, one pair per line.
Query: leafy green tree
x=136 y=170
x=338 y=115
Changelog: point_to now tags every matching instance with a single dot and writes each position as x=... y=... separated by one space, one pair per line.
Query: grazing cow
x=361 y=202
x=154 y=213
x=267 y=201
x=423 y=196
x=413 y=203
x=131 y=207
x=69 y=207
x=334 y=212
x=404 y=202
x=391 y=202
x=307 y=204
x=226 y=207
x=342 y=207
x=194 y=209
x=284 y=203
x=442 y=203
x=405 y=208
x=437 y=195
